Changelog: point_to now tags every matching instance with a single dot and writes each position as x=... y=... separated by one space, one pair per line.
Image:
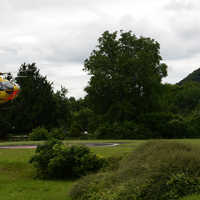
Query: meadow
x=17 y=175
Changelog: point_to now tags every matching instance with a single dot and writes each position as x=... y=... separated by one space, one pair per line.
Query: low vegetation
x=17 y=175
x=156 y=171
x=17 y=179
x=53 y=160
x=153 y=170
x=191 y=197
x=125 y=99
x=41 y=133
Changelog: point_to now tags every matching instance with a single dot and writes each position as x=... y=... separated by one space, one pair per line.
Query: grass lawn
x=192 y=197
x=17 y=175
x=17 y=182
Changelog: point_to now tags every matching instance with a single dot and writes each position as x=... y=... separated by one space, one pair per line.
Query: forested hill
x=194 y=76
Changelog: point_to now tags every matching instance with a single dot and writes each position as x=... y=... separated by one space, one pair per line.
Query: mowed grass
x=17 y=182
x=192 y=197
x=17 y=175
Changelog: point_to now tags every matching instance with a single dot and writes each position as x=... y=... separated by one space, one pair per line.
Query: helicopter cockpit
x=6 y=85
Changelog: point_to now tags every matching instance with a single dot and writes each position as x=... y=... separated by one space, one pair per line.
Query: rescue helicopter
x=8 y=88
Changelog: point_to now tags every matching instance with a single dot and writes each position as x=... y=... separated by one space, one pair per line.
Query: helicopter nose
x=14 y=93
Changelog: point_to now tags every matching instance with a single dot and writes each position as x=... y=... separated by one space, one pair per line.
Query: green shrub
x=53 y=160
x=177 y=128
x=105 y=131
x=193 y=123
x=75 y=130
x=156 y=170
x=122 y=130
x=39 y=133
x=133 y=130
x=165 y=125
x=5 y=129
x=57 y=133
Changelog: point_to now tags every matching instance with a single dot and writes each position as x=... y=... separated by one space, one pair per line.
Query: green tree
x=187 y=97
x=5 y=125
x=37 y=104
x=62 y=113
x=126 y=73
x=83 y=121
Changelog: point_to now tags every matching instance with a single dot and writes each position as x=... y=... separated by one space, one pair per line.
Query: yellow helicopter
x=8 y=89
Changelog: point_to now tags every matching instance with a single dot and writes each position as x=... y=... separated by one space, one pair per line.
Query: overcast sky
x=59 y=34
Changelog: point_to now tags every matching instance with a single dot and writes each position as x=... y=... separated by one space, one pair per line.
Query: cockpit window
x=6 y=85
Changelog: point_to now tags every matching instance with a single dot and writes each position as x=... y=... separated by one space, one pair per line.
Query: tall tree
x=37 y=104
x=126 y=73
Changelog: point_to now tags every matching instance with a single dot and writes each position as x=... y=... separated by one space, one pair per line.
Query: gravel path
x=19 y=147
x=34 y=146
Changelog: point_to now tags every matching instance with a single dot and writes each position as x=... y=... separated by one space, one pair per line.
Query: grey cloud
x=60 y=35
x=178 y=36
x=182 y=5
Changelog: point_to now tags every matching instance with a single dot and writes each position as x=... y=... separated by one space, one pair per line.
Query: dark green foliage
x=177 y=128
x=187 y=97
x=168 y=98
x=126 y=74
x=53 y=160
x=39 y=133
x=37 y=103
x=193 y=121
x=123 y=130
x=83 y=121
x=75 y=130
x=125 y=97
x=62 y=109
x=165 y=125
x=5 y=127
x=58 y=133
x=156 y=170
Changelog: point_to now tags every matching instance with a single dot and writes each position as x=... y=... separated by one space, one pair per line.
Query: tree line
x=125 y=97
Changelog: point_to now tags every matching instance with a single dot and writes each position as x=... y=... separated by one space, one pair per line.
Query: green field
x=17 y=175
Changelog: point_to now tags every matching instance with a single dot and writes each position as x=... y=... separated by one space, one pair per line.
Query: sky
x=58 y=35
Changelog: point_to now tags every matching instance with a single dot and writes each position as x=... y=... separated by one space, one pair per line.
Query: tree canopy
x=125 y=99
x=126 y=73
x=37 y=104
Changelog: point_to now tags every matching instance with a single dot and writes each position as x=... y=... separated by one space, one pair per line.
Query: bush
x=165 y=125
x=57 y=133
x=75 y=130
x=53 y=160
x=193 y=124
x=106 y=131
x=39 y=133
x=123 y=130
x=5 y=128
x=177 y=128
x=156 y=170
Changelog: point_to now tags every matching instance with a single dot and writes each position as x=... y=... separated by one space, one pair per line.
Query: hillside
x=194 y=76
